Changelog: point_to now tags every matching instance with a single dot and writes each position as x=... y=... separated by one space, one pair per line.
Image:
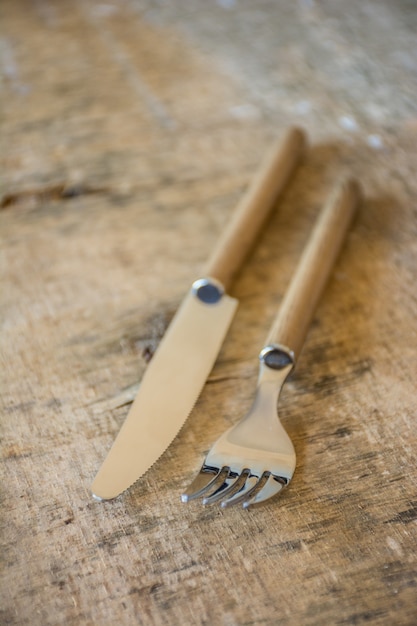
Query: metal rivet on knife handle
x=208 y=290
x=254 y=208
x=300 y=301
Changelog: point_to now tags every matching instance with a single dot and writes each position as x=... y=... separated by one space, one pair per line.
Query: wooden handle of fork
x=300 y=301
x=252 y=211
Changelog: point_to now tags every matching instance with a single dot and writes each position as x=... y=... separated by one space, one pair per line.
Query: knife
x=185 y=356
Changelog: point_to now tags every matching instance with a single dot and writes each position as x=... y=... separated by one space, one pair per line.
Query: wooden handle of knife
x=252 y=211
x=300 y=301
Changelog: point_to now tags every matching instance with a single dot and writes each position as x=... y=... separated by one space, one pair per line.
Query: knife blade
x=186 y=354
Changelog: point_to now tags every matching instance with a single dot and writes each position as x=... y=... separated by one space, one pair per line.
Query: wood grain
x=251 y=214
x=156 y=116
x=300 y=300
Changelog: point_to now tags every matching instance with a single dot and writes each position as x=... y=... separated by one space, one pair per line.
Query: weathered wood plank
x=129 y=132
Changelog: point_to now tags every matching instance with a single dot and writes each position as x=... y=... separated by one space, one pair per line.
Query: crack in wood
x=59 y=191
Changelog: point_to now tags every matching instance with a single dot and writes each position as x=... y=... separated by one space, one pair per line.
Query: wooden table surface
x=130 y=130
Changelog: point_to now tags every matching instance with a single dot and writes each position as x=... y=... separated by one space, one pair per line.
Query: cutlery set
x=255 y=459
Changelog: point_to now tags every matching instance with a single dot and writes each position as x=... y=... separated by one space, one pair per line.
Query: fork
x=255 y=459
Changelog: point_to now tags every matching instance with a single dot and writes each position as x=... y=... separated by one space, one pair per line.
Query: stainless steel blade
x=169 y=389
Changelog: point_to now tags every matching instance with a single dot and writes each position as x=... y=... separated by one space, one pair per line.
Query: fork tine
x=208 y=479
x=237 y=482
x=247 y=496
x=267 y=487
x=241 y=495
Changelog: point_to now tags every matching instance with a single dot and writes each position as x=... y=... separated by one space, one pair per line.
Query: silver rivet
x=276 y=357
x=208 y=290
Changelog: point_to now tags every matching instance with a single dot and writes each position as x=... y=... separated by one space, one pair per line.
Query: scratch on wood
x=119 y=54
x=59 y=191
x=405 y=517
x=123 y=398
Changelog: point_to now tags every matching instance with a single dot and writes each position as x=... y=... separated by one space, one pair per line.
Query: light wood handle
x=251 y=213
x=300 y=301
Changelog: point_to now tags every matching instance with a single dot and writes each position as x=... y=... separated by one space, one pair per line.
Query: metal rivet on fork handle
x=276 y=357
